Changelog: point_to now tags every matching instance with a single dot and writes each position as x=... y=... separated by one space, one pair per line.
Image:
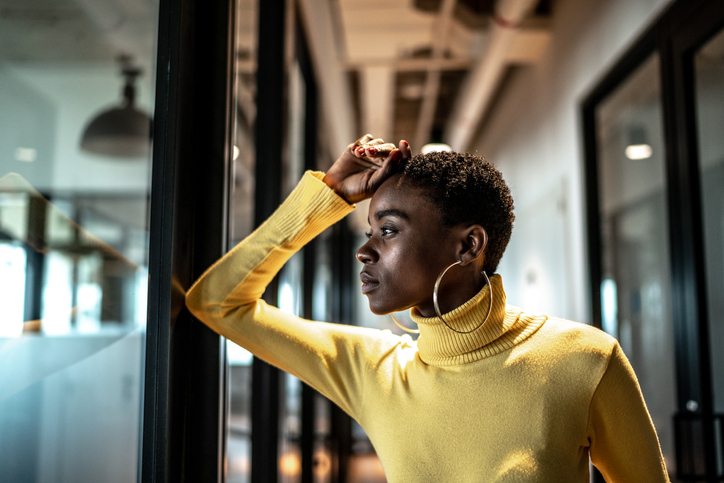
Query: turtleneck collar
x=441 y=346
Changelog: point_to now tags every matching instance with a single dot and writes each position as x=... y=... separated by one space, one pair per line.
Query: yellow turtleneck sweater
x=525 y=398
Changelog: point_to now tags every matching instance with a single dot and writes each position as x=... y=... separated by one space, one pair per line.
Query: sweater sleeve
x=227 y=298
x=623 y=442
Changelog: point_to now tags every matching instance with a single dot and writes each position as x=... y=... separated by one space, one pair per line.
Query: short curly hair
x=469 y=190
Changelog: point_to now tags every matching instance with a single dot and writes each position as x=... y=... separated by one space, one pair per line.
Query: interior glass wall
x=636 y=279
x=709 y=75
x=241 y=224
x=76 y=101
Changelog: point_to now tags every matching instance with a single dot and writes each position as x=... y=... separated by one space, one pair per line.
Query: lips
x=369 y=283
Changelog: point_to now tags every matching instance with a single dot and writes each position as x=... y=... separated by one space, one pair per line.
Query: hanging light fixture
x=122 y=131
x=638 y=146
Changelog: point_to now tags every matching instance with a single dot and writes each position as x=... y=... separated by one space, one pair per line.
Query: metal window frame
x=184 y=400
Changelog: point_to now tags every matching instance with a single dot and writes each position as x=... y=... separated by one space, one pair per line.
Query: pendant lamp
x=123 y=131
x=638 y=146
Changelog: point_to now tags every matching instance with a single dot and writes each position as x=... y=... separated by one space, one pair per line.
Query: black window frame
x=184 y=390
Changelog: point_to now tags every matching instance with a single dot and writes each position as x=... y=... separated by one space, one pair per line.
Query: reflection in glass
x=73 y=244
x=709 y=74
x=241 y=223
x=635 y=243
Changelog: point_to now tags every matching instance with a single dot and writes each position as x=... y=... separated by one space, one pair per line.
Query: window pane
x=709 y=66
x=635 y=289
x=241 y=223
x=76 y=98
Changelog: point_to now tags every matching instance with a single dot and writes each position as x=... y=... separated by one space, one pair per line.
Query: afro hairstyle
x=466 y=190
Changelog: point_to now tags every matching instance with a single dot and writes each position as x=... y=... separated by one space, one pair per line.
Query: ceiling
x=421 y=70
x=72 y=32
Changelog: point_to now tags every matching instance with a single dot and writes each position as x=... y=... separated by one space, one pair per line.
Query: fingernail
x=360 y=150
x=406 y=143
x=396 y=156
x=372 y=150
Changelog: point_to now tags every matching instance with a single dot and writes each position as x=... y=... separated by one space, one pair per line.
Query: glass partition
x=76 y=97
x=241 y=224
x=709 y=73
x=636 y=278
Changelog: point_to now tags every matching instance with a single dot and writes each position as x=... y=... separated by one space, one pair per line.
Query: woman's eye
x=384 y=231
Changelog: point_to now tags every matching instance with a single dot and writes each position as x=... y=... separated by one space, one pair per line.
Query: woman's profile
x=487 y=392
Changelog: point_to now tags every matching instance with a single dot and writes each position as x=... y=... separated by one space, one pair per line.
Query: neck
x=438 y=345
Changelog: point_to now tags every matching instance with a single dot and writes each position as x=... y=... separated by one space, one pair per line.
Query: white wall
x=74 y=95
x=534 y=136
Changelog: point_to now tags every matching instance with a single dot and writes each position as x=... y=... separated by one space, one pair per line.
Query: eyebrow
x=392 y=212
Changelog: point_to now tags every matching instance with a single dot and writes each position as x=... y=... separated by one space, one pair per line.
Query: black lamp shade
x=120 y=132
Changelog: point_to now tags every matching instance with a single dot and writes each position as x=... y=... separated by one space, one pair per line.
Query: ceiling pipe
x=432 y=82
x=318 y=20
x=481 y=83
x=377 y=93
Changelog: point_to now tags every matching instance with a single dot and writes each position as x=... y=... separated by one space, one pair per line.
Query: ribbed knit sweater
x=524 y=399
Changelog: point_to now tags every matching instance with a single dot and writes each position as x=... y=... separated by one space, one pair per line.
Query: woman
x=487 y=393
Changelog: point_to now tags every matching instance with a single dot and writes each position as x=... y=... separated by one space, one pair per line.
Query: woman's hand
x=364 y=166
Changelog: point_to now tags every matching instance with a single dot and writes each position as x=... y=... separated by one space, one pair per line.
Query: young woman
x=487 y=392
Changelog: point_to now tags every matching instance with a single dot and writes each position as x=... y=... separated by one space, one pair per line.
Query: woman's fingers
x=369 y=147
x=404 y=147
x=379 y=150
x=363 y=140
x=359 y=151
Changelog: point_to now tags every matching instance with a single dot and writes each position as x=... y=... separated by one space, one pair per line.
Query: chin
x=377 y=308
x=378 y=311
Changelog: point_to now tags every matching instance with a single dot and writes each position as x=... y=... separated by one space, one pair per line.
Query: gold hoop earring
x=437 y=307
x=406 y=329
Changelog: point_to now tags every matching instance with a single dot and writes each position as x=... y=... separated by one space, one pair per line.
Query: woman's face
x=407 y=249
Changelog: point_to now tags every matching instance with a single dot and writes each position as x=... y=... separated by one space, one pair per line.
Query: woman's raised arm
x=330 y=357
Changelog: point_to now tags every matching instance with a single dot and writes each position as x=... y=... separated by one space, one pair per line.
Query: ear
x=474 y=240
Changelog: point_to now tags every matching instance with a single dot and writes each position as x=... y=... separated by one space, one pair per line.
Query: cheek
x=412 y=269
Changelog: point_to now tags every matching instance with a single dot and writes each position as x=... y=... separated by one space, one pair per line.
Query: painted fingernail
x=396 y=156
x=360 y=150
x=372 y=150
x=406 y=143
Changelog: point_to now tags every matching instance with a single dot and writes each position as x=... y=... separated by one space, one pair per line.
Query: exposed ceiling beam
x=528 y=45
x=412 y=65
x=377 y=91
x=319 y=20
x=482 y=82
x=432 y=82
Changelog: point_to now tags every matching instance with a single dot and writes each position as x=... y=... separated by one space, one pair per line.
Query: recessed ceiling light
x=638 y=151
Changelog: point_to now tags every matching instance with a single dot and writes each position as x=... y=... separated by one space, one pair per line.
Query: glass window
x=241 y=223
x=709 y=73
x=76 y=99
x=636 y=281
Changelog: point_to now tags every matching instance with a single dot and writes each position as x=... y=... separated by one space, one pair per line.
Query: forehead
x=395 y=194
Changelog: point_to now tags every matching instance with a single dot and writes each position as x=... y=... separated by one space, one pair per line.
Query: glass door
x=655 y=179
x=636 y=276
x=709 y=102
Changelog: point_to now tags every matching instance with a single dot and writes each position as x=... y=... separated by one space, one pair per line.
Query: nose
x=366 y=254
